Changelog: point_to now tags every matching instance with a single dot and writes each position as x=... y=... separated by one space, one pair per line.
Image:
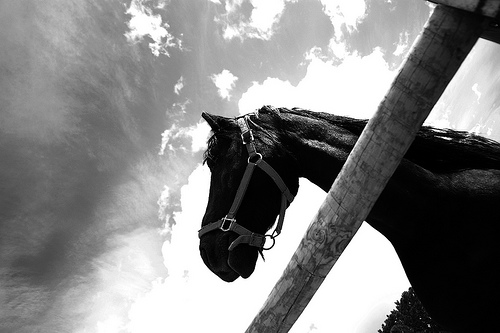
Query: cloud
x=163 y=203
x=440 y=116
x=144 y=23
x=225 y=82
x=121 y=276
x=177 y=137
x=264 y=15
x=403 y=45
x=78 y=224
x=476 y=91
x=179 y=85
x=199 y=134
x=172 y=302
x=344 y=14
x=470 y=101
x=354 y=87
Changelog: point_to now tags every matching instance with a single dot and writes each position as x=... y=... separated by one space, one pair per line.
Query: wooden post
x=489 y=8
x=445 y=42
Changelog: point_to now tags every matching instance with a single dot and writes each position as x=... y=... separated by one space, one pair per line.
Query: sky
x=102 y=189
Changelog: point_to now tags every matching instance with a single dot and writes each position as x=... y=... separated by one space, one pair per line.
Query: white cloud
x=109 y=325
x=163 y=204
x=403 y=44
x=194 y=197
x=440 y=116
x=179 y=85
x=344 y=14
x=175 y=137
x=172 y=303
x=355 y=87
x=272 y=91
x=225 y=82
x=338 y=48
x=121 y=275
x=265 y=14
x=162 y=4
x=199 y=134
x=144 y=23
x=172 y=133
x=476 y=91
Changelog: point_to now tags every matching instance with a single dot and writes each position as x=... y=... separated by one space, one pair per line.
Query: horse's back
x=454 y=271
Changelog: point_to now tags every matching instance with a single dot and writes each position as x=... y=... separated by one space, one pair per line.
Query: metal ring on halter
x=273 y=238
x=258 y=155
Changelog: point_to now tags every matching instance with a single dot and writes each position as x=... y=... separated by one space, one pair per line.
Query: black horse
x=440 y=210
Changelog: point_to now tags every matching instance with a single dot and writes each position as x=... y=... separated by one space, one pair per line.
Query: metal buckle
x=223 y=225
x=247 y=135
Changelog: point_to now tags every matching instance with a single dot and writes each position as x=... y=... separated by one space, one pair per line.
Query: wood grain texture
x=489 y=8
x=445 y=42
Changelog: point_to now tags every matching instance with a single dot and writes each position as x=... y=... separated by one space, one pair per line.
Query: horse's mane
x=438 y=150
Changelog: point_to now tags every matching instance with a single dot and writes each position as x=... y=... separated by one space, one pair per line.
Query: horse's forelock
x=229 y=134
x=208 y=154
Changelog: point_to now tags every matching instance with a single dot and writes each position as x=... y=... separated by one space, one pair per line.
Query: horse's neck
x=321 y=153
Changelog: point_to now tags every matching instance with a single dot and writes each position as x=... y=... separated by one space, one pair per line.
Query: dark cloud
x=384 y=23
x=81 y=117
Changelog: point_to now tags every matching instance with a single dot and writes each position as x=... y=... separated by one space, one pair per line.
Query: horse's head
x=257 y=207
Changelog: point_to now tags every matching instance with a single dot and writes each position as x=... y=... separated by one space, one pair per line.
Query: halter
x=228 y=222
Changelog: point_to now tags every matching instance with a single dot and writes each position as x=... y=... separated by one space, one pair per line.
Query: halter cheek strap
x=228 y=223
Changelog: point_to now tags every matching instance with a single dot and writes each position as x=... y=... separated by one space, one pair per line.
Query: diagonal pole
x=447 y=38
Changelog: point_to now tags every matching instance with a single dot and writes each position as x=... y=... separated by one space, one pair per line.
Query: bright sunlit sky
x=101 y=140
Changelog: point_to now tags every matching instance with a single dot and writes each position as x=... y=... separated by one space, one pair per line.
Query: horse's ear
x=215 y=122
x=269 y=109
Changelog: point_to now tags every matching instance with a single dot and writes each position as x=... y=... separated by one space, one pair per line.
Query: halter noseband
x=228 y=222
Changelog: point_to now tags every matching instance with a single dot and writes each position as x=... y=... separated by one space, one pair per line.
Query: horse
x=439 y=209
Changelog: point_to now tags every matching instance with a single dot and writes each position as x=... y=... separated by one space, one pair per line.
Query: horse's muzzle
x=217 y=265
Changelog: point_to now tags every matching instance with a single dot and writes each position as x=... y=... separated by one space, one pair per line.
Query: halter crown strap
x=228 y=223
x=247 y=137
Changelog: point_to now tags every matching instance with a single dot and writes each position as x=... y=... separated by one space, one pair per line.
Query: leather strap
x=246 y=236
x=277 y=179
x=242 y=188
